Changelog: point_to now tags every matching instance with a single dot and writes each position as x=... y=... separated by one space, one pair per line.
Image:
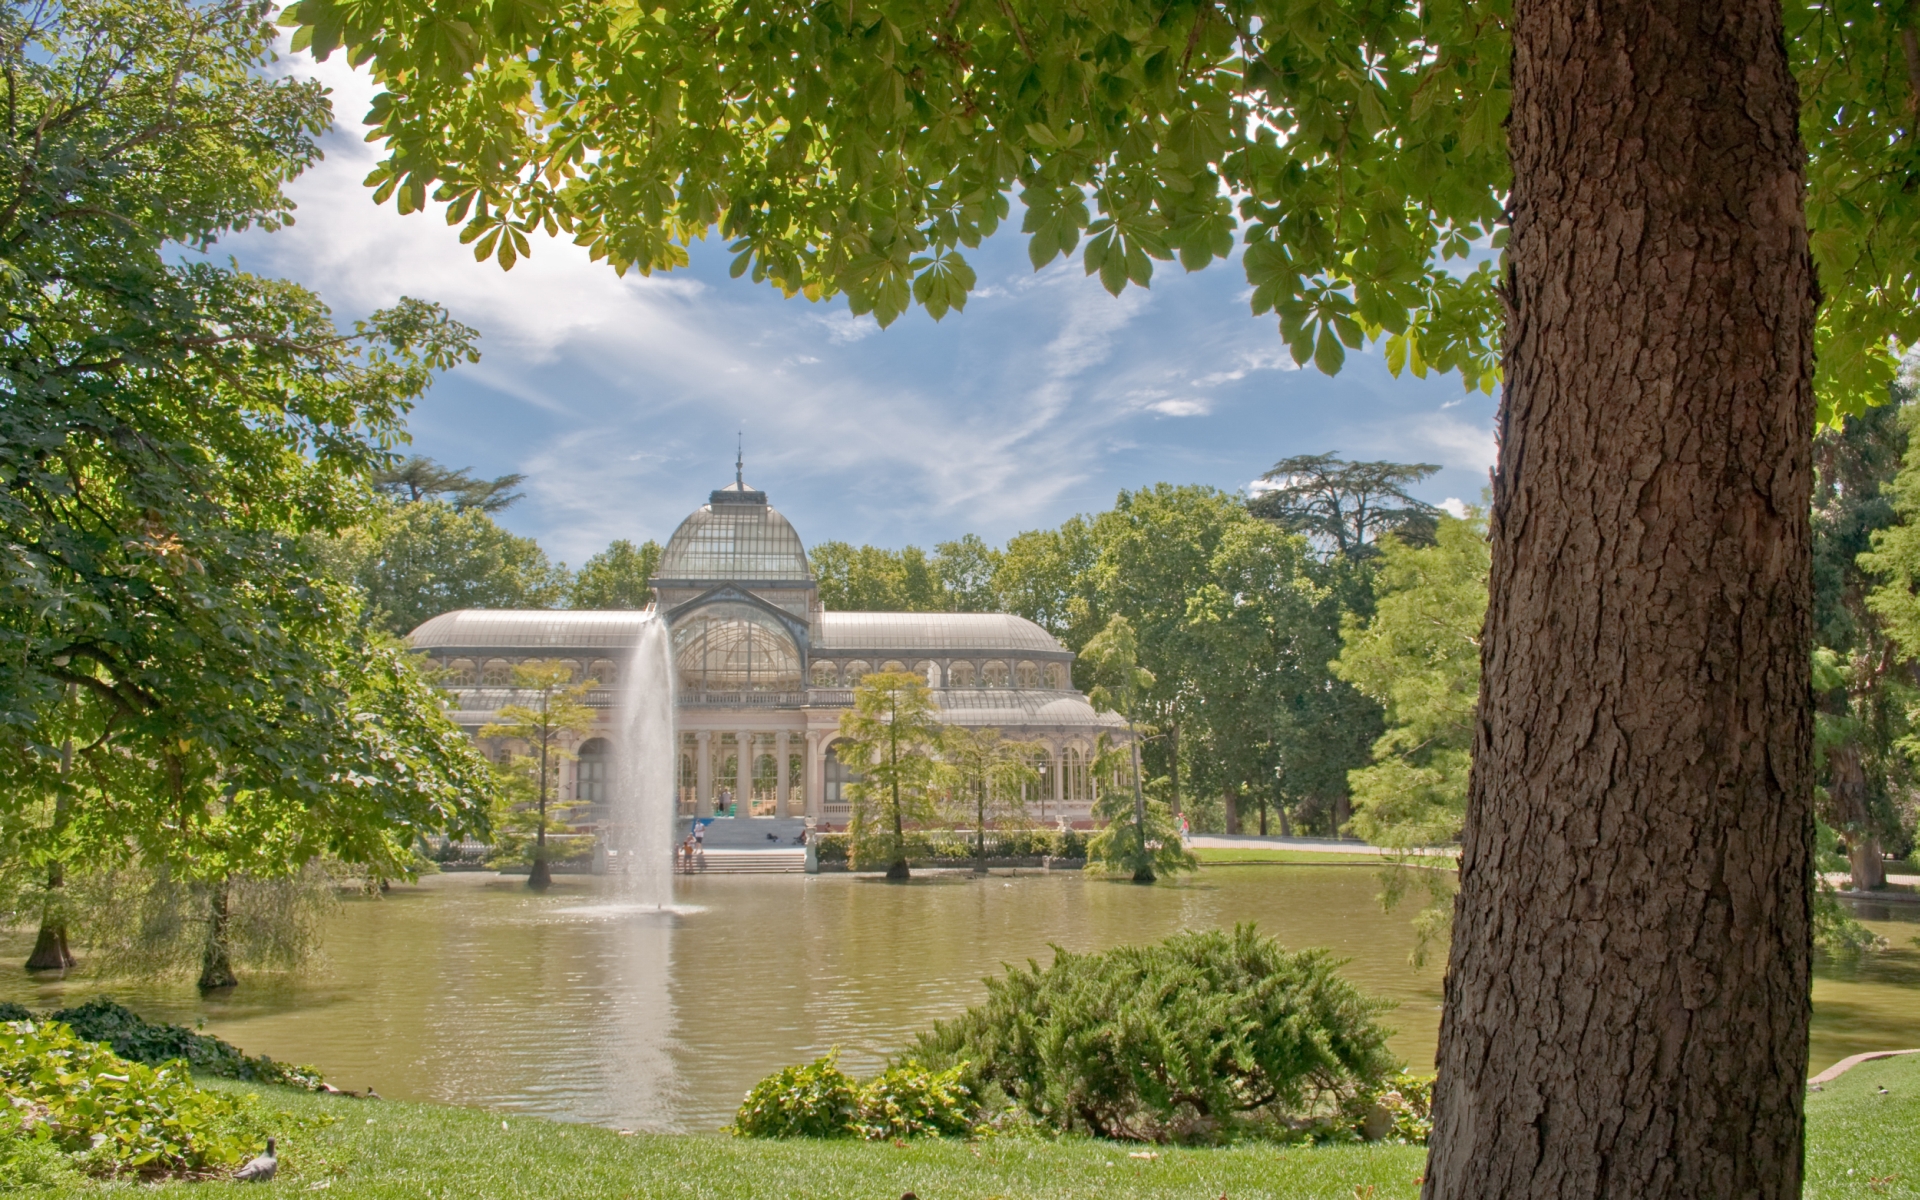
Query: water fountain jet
x=645 y=803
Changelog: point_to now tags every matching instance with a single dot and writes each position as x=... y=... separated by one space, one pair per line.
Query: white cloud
x=1455 y=506
x=1181 y=408
x=619 y=397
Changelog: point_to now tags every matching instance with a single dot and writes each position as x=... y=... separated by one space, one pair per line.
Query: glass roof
x=735 y=538
x=1009 y=708
x=507 y=628
x=934 y=633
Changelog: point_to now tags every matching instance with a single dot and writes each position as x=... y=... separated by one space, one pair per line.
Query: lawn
x=1862 y=1142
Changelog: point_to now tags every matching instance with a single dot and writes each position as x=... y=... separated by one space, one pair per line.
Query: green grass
x=385 y=1150
x=1863 y=1143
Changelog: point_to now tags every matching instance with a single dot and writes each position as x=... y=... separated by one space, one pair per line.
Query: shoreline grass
x=1861 y=1142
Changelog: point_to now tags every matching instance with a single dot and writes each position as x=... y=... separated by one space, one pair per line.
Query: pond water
x=468 y=989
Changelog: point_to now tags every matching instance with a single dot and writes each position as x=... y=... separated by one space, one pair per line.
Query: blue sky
x=619 y=399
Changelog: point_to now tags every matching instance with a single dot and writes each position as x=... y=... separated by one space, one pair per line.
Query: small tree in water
x=988 y=777
x=1149 y=839
x=893 y=739
x=549 y=727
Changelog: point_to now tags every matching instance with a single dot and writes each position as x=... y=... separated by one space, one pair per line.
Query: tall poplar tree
x=1648 y=171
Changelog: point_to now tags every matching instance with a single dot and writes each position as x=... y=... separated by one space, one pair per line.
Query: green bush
x=115 y=1116
x=910 y=1101
x=926 y=844
x=820 y=1100
x=1203 y=1037
x=816 y=1100
x=1406 y=1100
x=9 y=1011
x=132 y=1036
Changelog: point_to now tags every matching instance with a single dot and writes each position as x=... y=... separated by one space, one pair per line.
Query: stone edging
x=1847 y=1064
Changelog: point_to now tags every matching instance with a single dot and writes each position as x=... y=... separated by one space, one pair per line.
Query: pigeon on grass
x=261 y=1169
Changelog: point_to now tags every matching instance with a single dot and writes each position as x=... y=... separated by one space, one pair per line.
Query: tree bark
x=50 y=950
x=216 y=958
x=1847 y=790
x=1627 y=992
x=1231 y=804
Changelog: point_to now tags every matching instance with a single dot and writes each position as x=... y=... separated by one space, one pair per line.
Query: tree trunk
x=1173 y=765
x=897 y=869
x=1231 y=803
x=980 y=830
x=1847 y=791
x=1263 y=816
x=216 y=958
x=1286 y=826
x=540 y=877
x=1143 y=866
x=50 y=951
x=1627 y=991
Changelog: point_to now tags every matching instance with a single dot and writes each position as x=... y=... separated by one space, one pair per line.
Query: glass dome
x=734 y=648
x=736 y=537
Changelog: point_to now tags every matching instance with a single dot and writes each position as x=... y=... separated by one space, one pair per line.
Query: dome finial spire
x=739 y=460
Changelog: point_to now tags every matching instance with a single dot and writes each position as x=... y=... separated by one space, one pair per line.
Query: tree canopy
x=174 y=437
x=1358 y=151
x=617 y=577
x=418 y=477
x=413 y=561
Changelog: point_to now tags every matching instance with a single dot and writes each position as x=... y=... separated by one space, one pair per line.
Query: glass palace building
x=764 y=672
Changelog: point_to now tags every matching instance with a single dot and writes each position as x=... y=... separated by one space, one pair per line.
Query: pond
x=468 y=989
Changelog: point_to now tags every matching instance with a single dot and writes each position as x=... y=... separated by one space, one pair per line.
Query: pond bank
x=1860 y=1141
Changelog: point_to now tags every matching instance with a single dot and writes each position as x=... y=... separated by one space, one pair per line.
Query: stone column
x=816 y=779
x=743 y=775
x=780 y=765
x=1059 y=778
x=703 y=772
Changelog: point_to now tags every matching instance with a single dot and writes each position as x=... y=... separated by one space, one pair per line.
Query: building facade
x=763 y=673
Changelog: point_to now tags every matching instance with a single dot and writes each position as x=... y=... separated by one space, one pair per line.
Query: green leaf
x=1327 y=352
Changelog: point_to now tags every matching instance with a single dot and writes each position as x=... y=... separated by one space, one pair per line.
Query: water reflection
x=576 y=1004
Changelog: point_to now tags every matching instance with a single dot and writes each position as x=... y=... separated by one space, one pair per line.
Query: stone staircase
x=741 y=846
x=749 y=862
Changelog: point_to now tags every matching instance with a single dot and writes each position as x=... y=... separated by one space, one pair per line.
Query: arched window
x=1078 y=788
x=929 y=671
x=960 y=674
x=498 y=673
x=994 y=675
x=1040 y=791
x=839 y=775
x=766 y=782
x=732 y=647
x=1056 y=677
x=594 y=773
x=893 y=666
x=603 y=672
x=855 y=670
x=460 y=673
x=823 y=674
x=1028 y=675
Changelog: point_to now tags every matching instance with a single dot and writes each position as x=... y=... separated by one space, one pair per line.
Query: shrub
x=955 y=844
x=114 y=1115
x=9 y=1011
x=820 y=1100
x=1203 y=1037
x=816 y=1100
x=909 y=1100
x=1406 y=1103
x=132 y=1036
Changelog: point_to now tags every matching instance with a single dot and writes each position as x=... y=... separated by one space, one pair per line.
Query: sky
x=620 y=399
